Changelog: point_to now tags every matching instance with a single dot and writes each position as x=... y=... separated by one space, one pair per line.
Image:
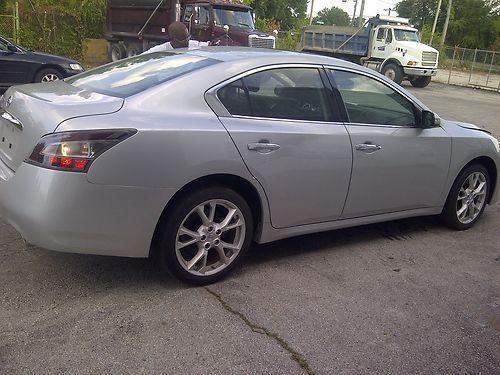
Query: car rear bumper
x=62 y=211
x=420 y=72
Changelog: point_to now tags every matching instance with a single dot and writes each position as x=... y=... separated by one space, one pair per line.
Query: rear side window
x=287 y=93
x=369 y=101
x=131 y=76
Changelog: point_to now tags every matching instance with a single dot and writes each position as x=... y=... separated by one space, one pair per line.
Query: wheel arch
x=239 y=184
x=390 y=60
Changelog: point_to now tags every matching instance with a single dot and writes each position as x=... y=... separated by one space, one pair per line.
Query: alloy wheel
x=471 y=197
x=210 y=237
x=49 y=77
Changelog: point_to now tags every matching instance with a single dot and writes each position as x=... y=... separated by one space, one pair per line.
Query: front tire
x=467 y=198
x=393 y=72
x=48 y=75
x=421 y=81
x=206 y=235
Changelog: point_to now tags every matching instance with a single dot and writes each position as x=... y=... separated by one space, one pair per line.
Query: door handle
x=368 y=147
x=263 y=147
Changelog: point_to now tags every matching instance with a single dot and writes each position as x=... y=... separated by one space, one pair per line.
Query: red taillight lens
x=75 y=151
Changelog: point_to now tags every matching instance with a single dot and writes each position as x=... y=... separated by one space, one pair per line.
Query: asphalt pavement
x=404 y=297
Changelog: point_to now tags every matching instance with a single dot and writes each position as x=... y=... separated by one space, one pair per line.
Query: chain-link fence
x=469 y=67
x=9 y=23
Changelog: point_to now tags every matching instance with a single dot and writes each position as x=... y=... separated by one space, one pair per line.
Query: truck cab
x=207 y=20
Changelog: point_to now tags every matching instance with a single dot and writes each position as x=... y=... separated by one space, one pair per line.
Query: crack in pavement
x=296 y=356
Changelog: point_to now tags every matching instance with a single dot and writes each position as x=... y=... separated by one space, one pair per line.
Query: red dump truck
x=133 y=26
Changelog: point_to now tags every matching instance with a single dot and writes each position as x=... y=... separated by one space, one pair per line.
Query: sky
x=372 y=7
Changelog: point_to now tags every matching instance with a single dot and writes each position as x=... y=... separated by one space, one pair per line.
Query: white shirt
x=193 y=44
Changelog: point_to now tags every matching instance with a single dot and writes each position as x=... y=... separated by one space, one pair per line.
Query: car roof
x=271 y=56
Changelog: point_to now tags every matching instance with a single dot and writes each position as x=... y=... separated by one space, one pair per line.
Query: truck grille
x=261 y=42
x=429 y=58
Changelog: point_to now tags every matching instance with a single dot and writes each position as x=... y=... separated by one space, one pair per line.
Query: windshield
x=131 y=76
x=233 y=17
x=406 y=35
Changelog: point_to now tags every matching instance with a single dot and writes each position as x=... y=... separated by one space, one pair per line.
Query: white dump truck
x=389 y=45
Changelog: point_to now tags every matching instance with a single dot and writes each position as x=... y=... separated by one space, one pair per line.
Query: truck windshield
x=406 y=35
x=238 y=17
x=131 y=76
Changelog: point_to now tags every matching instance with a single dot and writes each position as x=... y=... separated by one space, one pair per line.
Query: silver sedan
x=188 y=156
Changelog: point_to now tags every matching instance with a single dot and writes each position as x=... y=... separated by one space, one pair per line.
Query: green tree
x=289 y=13
x=332 y=16
x=472 y=22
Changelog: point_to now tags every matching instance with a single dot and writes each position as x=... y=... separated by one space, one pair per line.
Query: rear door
x=287 y=129
x=397 y=165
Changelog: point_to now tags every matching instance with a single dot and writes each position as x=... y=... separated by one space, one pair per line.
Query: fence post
x=489 y=70
x=452 y=62
x=16 y=22
x=472 y=66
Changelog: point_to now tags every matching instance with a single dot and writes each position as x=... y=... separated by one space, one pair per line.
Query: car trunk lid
x=28 y=112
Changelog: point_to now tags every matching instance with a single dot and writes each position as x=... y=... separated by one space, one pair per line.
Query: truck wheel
x=421 y=81
x=133 y=50
x=117 y=51
x=393 y=72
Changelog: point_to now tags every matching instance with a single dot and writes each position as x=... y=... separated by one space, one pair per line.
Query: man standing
x=179 y=38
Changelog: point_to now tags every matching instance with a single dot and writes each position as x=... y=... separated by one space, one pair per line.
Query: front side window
x=369 y=101
x=381 y=35
x=287 y=93
x=188 y=13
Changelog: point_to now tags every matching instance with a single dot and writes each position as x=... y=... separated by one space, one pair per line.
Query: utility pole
x=445 y=27
x=360 y=19
x=311 y=14
x=438 y=9
x=354 y=14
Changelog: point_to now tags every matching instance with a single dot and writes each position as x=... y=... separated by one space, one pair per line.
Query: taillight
x=76 y=150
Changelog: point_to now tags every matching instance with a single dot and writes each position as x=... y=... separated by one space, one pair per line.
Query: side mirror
x=11 y=48
x=428 y=119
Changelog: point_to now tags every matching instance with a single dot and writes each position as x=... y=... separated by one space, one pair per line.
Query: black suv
x=18 y=65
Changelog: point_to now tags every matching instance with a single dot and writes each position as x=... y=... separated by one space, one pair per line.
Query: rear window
x=131 y=76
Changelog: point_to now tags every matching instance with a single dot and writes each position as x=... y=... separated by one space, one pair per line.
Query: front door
x=383 y=45
x=397 y=165
x=288 y=132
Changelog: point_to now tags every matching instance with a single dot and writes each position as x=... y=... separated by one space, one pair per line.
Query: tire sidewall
x=449 y=213
x=176 y=215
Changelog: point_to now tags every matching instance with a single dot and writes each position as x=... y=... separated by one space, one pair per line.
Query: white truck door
x=382 y=46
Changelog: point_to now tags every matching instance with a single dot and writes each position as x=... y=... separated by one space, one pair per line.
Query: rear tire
x=206 y=235
x=133 y=50
x=467 y=198
x=421 y=81
x=117 y=51
x=48 y=75
x=393 y=72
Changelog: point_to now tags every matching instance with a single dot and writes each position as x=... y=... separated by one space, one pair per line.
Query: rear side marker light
x=75 y=151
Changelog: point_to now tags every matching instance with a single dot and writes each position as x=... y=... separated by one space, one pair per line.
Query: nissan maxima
x=187 y=157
